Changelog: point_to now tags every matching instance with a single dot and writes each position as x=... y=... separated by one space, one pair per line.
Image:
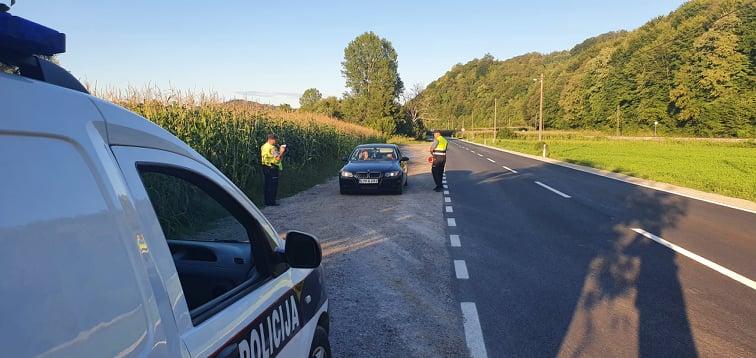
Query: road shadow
x=573 y=278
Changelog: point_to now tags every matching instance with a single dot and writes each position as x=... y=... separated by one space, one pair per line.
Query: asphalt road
x=556 y=269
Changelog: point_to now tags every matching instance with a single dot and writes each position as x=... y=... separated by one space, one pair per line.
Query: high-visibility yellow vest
x=268 y=153
x=442 y=143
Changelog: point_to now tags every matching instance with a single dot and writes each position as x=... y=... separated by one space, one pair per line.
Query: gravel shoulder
x=388 y=268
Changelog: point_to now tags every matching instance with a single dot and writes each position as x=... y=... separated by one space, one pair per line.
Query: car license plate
x=368 y=181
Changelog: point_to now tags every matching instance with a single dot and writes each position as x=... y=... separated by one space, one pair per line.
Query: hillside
x=692 y=71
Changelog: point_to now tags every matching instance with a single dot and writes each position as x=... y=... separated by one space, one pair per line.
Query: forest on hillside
x=691 y=71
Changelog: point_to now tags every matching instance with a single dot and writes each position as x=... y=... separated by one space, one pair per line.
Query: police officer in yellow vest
x=438 y=150
x=271 y=166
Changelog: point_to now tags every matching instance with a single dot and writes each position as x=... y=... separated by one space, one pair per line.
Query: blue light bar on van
x=25 y=37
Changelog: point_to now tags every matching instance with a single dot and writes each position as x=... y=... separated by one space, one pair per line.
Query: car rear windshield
x=374 y=153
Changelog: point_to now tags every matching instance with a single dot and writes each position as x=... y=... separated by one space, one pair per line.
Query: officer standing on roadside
x=271 y=166
x=438 y=150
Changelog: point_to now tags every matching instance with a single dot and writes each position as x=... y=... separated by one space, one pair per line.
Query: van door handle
x=229 y=351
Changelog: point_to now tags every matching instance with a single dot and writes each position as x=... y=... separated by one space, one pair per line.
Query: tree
x=370 y=68
x=309 y=99
x=414 y=105
x=330 y=106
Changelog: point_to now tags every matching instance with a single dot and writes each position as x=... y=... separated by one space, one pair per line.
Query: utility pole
x=540 y=112
x=495 y=103
x=618 y=119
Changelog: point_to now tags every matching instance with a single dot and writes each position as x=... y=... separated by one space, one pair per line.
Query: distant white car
x=120 y=240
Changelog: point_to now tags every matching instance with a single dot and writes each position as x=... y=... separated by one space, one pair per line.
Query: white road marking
x=491 y=160
x=472 y=151
x=473 y=332
x=446 y=192
x=449 y=209
x=447 y=199
x=553 y=190
x=508 y=168
x=446 y=186
x=455 y=241
x=460 y=268
x=480 y=155
x=451 y=222
x=712 y=265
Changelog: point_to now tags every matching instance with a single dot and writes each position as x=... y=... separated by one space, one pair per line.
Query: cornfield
x=230 y=135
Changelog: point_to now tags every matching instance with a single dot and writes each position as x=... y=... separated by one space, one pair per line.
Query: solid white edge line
x=451 y=222
x=712 y=265
x=473 y=332
x=454 y=239
x=553 y=190
x=508 y=168
x=449 y=209
x=491 y=160
x=460 y=269
x=590 y=170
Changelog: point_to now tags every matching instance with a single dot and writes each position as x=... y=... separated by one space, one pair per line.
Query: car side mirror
x=302 y=250
x=404 y=159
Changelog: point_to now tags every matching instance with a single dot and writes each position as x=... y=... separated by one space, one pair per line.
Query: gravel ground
x=388 y=270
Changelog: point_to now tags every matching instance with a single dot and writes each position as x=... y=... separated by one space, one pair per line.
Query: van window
x=210 y=237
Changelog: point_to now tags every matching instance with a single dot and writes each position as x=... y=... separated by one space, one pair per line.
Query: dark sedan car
x=374 y=168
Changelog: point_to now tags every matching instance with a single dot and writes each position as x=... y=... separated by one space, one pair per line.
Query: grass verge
x=718 y=167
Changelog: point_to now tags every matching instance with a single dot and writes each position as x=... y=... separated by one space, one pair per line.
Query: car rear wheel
x=321 y=347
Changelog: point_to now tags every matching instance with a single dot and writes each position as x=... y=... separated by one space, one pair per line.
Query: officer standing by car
x=438 y=151
x=271 y=157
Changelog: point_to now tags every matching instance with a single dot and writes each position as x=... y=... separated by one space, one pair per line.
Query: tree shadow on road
x=574 y=279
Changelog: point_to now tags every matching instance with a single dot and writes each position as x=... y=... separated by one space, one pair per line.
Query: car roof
x=379 y=145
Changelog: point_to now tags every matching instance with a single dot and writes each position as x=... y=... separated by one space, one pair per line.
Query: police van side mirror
x=302 y=250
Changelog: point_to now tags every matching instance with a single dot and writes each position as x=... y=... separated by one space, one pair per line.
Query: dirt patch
x=388 y=269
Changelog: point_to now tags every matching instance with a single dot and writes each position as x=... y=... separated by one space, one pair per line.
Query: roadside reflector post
x=545 y=150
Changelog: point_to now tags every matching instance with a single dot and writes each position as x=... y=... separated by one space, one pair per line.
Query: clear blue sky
x=274 y=50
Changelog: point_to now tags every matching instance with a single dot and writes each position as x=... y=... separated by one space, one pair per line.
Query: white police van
x=117 y=239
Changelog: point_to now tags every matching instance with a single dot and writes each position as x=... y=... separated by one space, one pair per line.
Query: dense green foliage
x=726 y=168
x=309 y=99
x=230 y=137
x=692 y=71
x=370 y=68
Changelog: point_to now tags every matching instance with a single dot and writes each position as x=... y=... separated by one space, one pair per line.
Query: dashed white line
x=712 y=265
x=473 y=332
x=454 y=239
x=460 y=268
x=472 y=151
x=449 y=209
x=508 y=168
x=446 y=186
x=446 y=192
x=480 y=155
x=491 y=160
x=451 y=222
x=553 y=190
